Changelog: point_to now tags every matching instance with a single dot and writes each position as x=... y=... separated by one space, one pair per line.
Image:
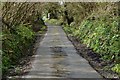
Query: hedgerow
x=102 y=36
x=21 y=21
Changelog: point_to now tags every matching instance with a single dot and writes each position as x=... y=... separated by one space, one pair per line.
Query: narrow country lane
x=56 y=57
x=59 y=40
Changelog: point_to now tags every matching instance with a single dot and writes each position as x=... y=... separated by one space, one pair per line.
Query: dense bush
x=98 y=28
x=15 y=45
x=102 y=36
x=54 y=21
x=21 y=21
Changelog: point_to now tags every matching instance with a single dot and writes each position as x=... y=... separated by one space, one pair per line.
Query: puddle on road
x=58 y=52
x=59 y=66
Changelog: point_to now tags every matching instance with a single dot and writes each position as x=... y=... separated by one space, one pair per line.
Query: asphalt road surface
x=56 y=57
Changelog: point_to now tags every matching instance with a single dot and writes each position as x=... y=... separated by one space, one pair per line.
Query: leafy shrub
x=15 y=45
x=116 y=68
x=54 y=21
x=102 y=35
x=24 y=32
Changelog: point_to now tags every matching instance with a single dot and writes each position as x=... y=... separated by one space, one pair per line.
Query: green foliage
x=102 y=35
x=24 y=32
x=6 y=62
x=15 y=45
x=20 y=20
x=116 y=68
x=42 y=30
x=54 y=21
